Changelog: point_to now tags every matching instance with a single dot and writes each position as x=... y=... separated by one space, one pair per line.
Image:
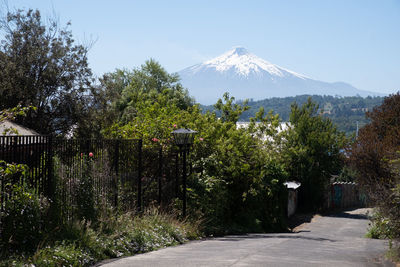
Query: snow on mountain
x=244 y=63
x=244 y=75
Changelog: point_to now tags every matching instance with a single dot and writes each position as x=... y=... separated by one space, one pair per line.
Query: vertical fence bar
x=116 y=164
x=35 y=163
x=24 y=154
x=42 y=168
x=160 y=165
x=139 y=177
x=31 y=151
x=184 y=181
x=177 y=173
x=50 y=165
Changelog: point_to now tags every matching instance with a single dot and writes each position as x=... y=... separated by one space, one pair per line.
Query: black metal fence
x=122 y=173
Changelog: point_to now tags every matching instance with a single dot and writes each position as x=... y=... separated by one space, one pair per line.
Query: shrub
x=22 y=217
x=63 y=255
x=380 y=227
x=23 y=220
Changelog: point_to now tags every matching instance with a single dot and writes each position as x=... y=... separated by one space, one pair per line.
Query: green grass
x=81 y=244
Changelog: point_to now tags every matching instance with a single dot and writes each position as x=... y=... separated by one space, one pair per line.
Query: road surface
x=335 y=240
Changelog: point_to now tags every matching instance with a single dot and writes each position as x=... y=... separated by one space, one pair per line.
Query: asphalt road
x=335 y=240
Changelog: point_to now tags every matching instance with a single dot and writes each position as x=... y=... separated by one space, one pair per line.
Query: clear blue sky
x=343 y=40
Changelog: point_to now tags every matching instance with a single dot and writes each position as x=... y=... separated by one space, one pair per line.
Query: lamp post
x=183 y=138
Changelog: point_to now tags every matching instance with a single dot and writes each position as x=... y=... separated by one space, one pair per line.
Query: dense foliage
x=83 y=244
x=32 y=231
x=42 y=67
x=312 y=152
x=235 y=183
x=23 y=213
x=375 y=156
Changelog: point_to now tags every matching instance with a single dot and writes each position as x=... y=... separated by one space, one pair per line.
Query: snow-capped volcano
x=244 y=75
x=245 y=63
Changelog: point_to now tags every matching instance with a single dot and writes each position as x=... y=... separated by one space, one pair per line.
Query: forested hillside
x=343 y=111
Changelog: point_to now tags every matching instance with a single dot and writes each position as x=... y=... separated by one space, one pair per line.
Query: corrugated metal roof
x=292 y=185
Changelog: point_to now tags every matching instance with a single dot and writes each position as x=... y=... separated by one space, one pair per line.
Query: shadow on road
x=264 y=236
x=298 y=219
x=349 y=216
x=301 y=218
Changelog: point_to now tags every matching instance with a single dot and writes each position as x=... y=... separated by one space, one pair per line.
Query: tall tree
x=146 y=83
x=121 y=94
x=375 y=155
x=311 y=151
x=41 y=66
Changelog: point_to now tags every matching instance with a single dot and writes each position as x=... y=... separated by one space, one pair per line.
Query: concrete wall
x=292 y=202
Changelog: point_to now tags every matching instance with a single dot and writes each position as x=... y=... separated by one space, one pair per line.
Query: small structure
x=17 y=140
x=10 y=128
x=292 y=196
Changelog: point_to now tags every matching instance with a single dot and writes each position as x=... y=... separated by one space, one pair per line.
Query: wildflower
x=201 y=139
x=81 y=155
x=155 y=139
x=91 y=154
x=175 y=126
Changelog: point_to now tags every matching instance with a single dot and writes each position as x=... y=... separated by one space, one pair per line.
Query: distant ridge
x=244 y=75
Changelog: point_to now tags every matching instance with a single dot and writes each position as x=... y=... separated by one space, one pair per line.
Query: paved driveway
x=336 y=240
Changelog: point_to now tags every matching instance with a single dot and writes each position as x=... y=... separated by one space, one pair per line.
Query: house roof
x=21 y=130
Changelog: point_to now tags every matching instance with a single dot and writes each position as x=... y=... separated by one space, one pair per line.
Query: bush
x=83 y=244
x=127 y=234
x=63 y=255
x=23 y=221
x=22 y=217
x=380 y=227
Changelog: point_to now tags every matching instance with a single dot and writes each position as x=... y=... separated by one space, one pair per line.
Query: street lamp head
x=183 y=136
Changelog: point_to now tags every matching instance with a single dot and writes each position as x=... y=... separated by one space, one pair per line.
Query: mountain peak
x=246 y=75
x=244 y=63
x=240 y=51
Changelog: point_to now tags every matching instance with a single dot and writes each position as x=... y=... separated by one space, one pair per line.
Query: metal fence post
x=139 y=177
x=177 y=173
x=160 y=165
x=50 y=165
x=116 y=166
x=87 y=146
x=184 y=181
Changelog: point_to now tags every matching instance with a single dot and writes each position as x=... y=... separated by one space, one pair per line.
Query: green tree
x=42 y=67
x=230 y=111
x=311 y=152
x=236 y=182
x=146 y=83
x=121 y=95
